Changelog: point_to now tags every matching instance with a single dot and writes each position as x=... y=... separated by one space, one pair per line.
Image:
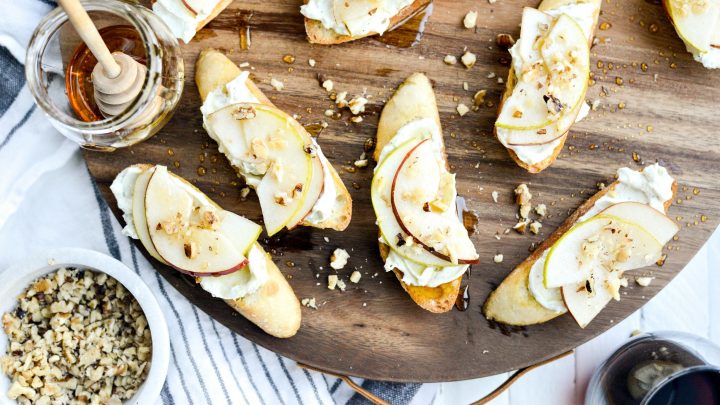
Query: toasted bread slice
x=511 y=81
x=512 y=302
x=212 y=70
x=318 y=34
x=414 y=99
x=274 y=306
x=222 y=5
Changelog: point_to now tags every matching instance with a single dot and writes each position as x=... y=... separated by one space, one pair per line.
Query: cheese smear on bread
x=236 y=91
x=414 y=273
x=230 y=286
x=330 y=14
x=651 y=186
x=183 y=22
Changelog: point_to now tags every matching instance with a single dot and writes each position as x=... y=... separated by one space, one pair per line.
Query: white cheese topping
x=651 y=186
x=237 y=91
x=182 y=22
x=416 y=273
x=239 y=283
x=584 y=15
x=420 y=274
x=372 y=23
x=710 y=59
x=122 y=187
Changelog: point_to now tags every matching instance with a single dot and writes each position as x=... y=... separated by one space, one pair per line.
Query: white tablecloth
x=47 y=200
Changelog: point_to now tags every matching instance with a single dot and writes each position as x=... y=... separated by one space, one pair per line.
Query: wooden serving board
x=373 y=329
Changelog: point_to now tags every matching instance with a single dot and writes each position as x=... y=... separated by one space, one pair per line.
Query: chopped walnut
x=522 y=194
x=339 y=259
x=450 y=59
x=535 y=227
x=494 y=195
x=277 y=84
x=357 y=105
x=521 y=226
x=468 y=59
x=332 y=281
x=643 y=281
x=309 y=302
x=498 y=258
x=462 y=109
x=311 y=62
x=355 y=277
x=525 y=210
x=328 y=85
x=341 y=285
x=244 y=113
x=541 y=209
x=470 y=19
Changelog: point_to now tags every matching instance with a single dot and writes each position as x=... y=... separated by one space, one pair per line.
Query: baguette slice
x=511 y=302
x=214 y=69
x=274 y=306
x=414 y=99
x=222 y=5
x=318 y=34
x=545 y=6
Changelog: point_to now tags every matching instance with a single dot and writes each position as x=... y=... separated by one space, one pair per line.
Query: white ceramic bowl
x=18 y=277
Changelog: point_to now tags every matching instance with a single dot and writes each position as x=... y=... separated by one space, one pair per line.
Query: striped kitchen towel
x=47 y=199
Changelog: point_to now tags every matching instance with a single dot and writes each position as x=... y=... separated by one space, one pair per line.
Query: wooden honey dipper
x=117 y=78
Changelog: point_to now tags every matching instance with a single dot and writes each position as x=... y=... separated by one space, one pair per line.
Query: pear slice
x=601 y=241
x=271 y=144
x=585 y=300
x=189 y=245
x=525 y=109
x=242 y=232
x=657 y=223
x=390 y=230
x=354 y=14
x=138 y=217
x=423 y=201
x=534 y=26
x=695 y=21
x=566 y=55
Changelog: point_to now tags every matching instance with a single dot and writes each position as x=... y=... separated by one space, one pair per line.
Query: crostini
x=186 y=17
x=330 y=22
x=580 y=268
x=294 y=181
x=697 y=23
x=548 y=79
x=183 y=228
x=422 y=239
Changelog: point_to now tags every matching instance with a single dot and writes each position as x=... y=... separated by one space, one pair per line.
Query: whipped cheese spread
x=710 y=59
x=182 y=21
x=122 y=187
x=651 y=186
x=416 y=273
x=242 y=282
x=239 y=283
x=584 y=15
x=237 y=91
x=376 y=22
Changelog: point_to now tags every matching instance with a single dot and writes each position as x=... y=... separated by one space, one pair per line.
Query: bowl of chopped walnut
x=80 y=327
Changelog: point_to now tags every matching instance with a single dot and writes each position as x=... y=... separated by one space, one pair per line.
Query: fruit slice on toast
x=586 y=282
x=295 y=182
x=186 y=230
x=410 y=120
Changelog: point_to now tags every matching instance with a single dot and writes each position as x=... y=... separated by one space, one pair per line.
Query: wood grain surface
x=373 y=329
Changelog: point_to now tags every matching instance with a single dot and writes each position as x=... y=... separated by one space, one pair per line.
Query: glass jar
x=658 y=368
x=55 y=43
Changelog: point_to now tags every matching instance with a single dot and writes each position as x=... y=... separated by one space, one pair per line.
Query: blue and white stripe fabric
x=47 y=199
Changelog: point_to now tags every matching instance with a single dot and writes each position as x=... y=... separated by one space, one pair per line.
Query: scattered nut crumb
x=355 y=276
x=329 y=113
x=541 y=209
x=244 y=192
x=309 y=302
x=332 y=281
x=311 y=62
x=462 y=109
x=356 y=119
x=466 y=86
x=450 y=59
x=277 y=84
x=535 y=227
x=470 y=19
x=643 y=281
x=341 y=285
x=357 y=105
x=328 y=85
x=361 y=163
x=468 y=59
x=521 y=226
x=525 y=210
x=479 y=97
x=494 y=195
x=339 y=259
x=498 y=258
x=522 y=194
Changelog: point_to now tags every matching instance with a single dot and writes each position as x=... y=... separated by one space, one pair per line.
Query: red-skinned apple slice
x=423 y=198
x=139 y=220
x=187 y=5
x=190 y=249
